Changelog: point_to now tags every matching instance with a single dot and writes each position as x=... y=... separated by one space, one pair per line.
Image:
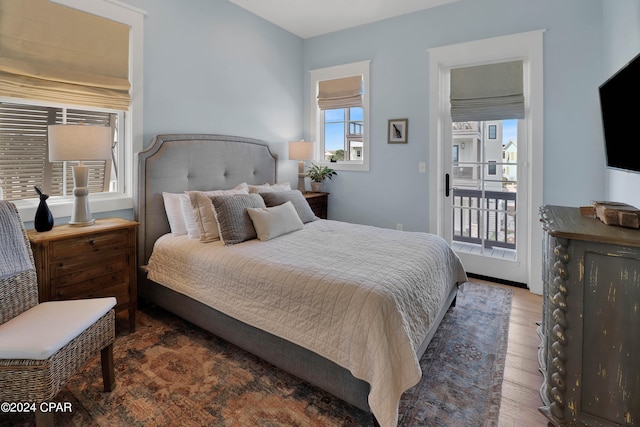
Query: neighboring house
x=510 y=155
x=468 y=140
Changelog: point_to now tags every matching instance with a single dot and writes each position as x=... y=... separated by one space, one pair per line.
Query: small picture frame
x=397 y=131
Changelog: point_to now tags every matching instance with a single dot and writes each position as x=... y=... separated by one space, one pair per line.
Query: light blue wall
x=212 y=67
x=621 y=44
x=394 y=191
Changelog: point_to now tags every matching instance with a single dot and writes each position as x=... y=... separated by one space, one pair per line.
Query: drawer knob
x=92 y=242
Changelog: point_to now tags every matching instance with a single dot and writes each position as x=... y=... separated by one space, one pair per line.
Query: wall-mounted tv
x=620 y=106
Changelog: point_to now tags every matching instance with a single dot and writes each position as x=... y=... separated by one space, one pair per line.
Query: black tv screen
x=619 y=103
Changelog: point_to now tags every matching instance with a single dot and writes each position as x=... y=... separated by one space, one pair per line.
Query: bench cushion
x=44 y=329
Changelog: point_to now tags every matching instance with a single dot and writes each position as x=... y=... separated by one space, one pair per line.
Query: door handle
x=446 y=184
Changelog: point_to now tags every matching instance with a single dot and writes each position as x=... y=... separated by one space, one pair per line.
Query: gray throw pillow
x=296 y=198
x=234 y=222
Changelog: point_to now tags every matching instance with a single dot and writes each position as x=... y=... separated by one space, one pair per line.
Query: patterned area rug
x=171 y=373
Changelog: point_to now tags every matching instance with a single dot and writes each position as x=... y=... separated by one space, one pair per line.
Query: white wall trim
x=528 y=47
x=336 y=72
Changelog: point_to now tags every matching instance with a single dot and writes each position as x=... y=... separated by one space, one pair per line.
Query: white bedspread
x=363 y=297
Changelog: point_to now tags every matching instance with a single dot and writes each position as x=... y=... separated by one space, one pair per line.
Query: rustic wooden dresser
x=590 y=349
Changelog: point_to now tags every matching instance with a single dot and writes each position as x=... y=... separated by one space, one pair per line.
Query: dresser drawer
x=73 y=270
x=115 y=285
x=92 y=244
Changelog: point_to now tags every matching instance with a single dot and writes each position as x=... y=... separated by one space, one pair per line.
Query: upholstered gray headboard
x=174 y=163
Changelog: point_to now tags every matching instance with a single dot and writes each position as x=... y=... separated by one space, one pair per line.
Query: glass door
x=482 y=194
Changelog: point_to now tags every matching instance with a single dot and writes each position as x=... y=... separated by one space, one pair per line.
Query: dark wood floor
x=522 y=378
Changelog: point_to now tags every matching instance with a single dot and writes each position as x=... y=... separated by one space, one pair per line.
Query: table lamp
x=79 y=143
x=301 y=151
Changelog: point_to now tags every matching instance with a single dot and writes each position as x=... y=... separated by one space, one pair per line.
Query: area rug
x=171 y=373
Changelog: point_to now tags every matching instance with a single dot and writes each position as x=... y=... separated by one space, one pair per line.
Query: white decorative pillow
x=275 y=221
x=173 y=209
x=193 y=230
x=234 y=223
x=269 y=188
x=200 y=219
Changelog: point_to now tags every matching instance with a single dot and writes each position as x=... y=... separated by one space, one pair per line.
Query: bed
x=343 y=319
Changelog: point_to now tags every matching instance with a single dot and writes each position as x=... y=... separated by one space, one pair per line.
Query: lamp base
x=82 y=223
x=301 y=186
x=81 y=215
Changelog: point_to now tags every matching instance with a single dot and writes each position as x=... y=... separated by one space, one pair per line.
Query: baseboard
x=495 y=279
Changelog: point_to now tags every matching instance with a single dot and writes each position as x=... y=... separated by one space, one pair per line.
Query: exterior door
x=445 y=173
x=484 y=221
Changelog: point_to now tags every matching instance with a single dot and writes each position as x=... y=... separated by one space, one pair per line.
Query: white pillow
x=275 y=221
x=269 y=188
x=201 y=223
x=173 y=209
x=193 y=230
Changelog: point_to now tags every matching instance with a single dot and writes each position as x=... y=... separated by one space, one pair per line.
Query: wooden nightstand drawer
x=115 y=285
x=92 y=246
x=88 y=262
x=74 y=270
x=318 y=203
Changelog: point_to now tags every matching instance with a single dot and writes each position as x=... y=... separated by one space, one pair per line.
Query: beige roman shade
x=487 y=92
x=340 y=93
x=50 y=52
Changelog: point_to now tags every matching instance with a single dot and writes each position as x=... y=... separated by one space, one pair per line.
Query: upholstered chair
x=43 y=345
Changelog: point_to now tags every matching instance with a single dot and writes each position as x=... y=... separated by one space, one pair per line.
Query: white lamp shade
x=300 y=150
x=79 y=142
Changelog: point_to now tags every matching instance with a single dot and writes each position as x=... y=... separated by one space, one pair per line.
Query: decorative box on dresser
x=88 y=262
x=318 y=202
x=590 y=349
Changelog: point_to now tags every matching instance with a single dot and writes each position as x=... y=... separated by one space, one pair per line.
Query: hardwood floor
x=522 y=378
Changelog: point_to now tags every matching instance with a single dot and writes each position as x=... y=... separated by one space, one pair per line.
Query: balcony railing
x=488 y=218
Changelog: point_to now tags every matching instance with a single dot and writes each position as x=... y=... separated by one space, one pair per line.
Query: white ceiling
x=309 y=18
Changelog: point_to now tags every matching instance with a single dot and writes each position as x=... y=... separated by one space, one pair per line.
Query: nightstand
x=318 y=203
x=88 y=262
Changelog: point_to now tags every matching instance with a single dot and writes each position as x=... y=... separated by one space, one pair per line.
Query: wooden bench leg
x=108 y=375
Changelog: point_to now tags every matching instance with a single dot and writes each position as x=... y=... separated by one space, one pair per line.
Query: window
x=492 y=132
x=24 y=161
x=492 y=167
x=128 y=133
x=343 y=134
x=340 y=115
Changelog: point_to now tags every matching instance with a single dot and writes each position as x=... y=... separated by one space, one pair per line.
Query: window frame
x=317 y=116
x=56 y=109
x=130 y=130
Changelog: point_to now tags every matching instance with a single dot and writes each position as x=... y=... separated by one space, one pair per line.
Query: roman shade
x=487 y=92
x=340 y=93
x=50 y=52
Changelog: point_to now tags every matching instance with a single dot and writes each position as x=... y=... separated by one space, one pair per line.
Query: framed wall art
x=397 y=131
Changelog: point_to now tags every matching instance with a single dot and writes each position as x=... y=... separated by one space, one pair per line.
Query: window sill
x=62 y=206
x=344 y=166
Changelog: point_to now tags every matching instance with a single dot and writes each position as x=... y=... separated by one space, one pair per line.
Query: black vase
x=44 y=219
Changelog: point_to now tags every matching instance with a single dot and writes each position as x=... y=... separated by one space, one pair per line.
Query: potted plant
x=317 y=174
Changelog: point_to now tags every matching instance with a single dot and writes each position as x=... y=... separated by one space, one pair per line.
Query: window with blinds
x=341 y=115
x=24 y=160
